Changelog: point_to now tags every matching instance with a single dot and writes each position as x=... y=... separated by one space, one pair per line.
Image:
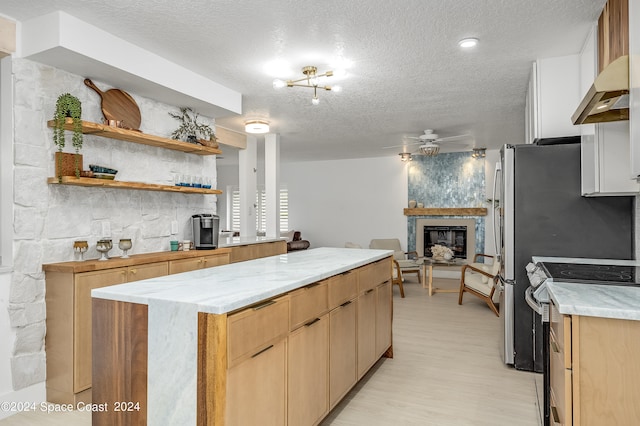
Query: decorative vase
x=420 y=205
x=412 y=204
x=67 y=165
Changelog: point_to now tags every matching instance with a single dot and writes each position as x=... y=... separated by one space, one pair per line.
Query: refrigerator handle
x=496 y=229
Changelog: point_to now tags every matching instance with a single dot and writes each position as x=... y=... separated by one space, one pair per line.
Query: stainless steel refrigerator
x=541 y=212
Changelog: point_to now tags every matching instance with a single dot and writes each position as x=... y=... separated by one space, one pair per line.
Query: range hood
x=608 y=97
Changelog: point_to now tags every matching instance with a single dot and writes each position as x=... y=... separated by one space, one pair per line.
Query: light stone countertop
x=226 y=288
x=243 y=241
x=606 y=301
x=174 y=302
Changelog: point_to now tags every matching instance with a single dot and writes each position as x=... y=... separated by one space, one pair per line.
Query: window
x=233 y=199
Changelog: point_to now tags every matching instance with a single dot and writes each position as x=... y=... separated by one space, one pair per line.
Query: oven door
x=543 y=310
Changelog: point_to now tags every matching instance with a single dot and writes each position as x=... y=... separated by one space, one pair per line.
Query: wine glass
x=103 y=246
x=124 y=245
x=80 y=247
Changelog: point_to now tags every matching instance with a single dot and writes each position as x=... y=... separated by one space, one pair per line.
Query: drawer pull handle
x=134 y=271
x=554 y=347
x=311 y=286
x=262 y=351
x=369 y=291
x=347 y=303
x=310 y=323
x=264 y=305
x=554 y=413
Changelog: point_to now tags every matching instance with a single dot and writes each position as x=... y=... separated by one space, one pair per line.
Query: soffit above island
x=65 y=42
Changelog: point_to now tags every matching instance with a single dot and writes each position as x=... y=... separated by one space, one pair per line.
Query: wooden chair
x=480 y=280
x=397 y=277
x=406 y=265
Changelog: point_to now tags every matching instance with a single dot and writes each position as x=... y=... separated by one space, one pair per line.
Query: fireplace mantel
x=442 y=211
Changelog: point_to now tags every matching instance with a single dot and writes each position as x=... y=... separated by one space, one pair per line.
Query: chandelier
x=311 y=79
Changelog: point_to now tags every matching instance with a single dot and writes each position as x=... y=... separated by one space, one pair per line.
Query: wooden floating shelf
x=106 y=183
x=89 y=128
x=467 y=211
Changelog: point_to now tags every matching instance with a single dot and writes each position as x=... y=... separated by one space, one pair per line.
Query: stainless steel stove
x=542 y=271
x=585 y=273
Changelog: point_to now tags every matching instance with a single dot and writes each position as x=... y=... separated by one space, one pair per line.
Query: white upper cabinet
x=634 y=86
x=552 y=96
x=604 y=146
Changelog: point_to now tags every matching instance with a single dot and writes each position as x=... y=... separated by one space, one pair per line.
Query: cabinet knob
x=134 y=271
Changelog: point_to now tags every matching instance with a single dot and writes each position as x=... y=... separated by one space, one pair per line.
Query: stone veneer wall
x=48 y=218
x=447 y=180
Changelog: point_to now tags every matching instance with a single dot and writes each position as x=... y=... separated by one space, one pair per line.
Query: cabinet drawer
x=560 y=326
x=371 y=275
x=342 y=287
x=251 y=329
x=308 y=303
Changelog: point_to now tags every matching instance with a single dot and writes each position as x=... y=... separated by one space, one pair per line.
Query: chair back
x=388 y=244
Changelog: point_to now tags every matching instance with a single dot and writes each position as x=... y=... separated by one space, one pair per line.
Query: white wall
x=48 y=218
x=332 y=202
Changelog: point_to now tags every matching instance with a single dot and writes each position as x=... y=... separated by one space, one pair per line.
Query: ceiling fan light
x=256 y=126
x=430 y=150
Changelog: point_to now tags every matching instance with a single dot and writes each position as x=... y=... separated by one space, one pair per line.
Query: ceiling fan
x=430 y=142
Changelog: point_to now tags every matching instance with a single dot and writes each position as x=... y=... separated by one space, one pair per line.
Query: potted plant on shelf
x=191 y=131
x=68 y=106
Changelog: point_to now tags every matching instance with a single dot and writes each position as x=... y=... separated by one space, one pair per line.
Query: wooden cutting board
x=118 y=105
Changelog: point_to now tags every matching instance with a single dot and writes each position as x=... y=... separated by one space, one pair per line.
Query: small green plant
x=190 y=130
x=68 y=105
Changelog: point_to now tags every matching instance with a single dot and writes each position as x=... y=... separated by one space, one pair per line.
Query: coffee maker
x=205 y=231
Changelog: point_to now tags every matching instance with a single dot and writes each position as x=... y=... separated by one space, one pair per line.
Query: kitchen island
x=594 y=349
x=265 y=341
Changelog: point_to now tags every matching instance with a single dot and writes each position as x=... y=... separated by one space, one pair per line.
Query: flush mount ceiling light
x=468 y=43
x=311 y=80
x=479 y=152
x=256 y=126
x=405 y=156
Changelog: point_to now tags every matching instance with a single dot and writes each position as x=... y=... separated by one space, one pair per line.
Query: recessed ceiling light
x=256 y=126
x=467 y=43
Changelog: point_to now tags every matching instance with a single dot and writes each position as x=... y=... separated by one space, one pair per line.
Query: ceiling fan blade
x=450 y=138
x=401 y=146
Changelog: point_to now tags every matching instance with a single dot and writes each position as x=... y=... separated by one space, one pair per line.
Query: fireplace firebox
x=454 y=237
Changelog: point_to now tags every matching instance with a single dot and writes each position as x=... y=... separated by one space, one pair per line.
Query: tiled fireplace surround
x=448 y=180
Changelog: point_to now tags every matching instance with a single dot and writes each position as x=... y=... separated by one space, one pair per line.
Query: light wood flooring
x=446 y=370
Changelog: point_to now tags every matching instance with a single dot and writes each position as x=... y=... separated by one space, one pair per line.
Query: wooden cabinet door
x=308 y=372
x=383 y=318
x=242 y=253
x=366 y=331
x=342 y=351
x=272 y=249
x=256 y=389
x=215 y=260
x=84 y=283
x=185 y=265
x=147 y=270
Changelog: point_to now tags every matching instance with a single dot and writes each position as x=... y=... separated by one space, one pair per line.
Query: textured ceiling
x=407 y=72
